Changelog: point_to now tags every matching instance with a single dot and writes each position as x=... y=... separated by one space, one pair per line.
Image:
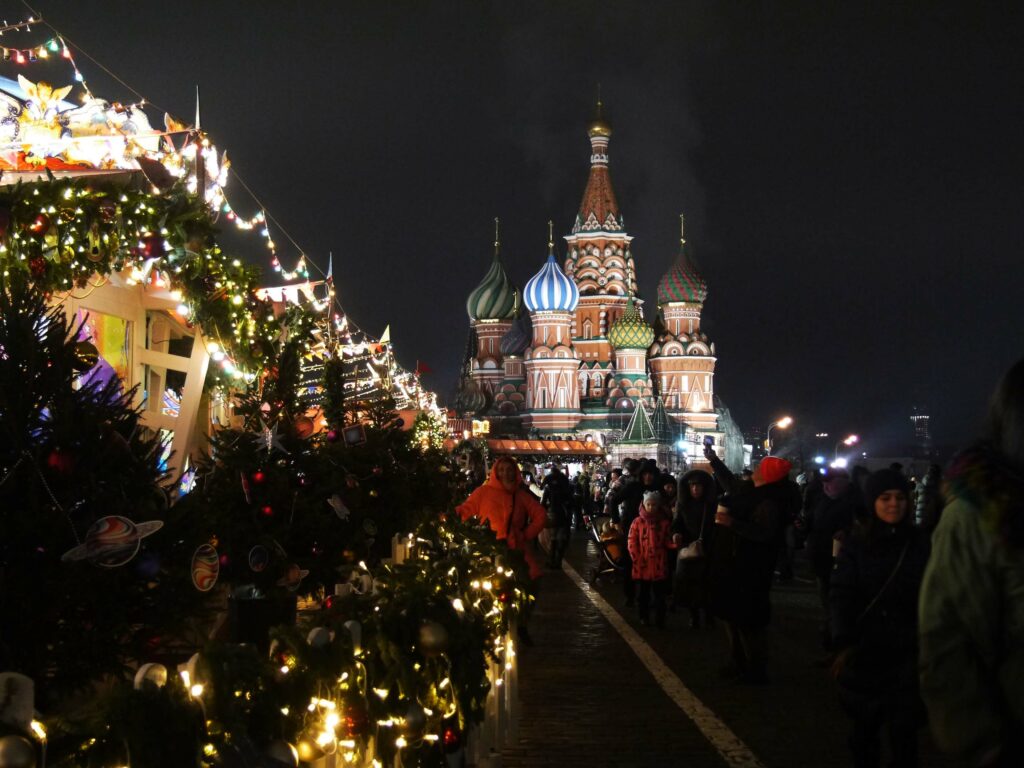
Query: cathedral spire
x=599 y=210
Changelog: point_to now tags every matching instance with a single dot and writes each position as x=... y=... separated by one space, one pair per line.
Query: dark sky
x=852 y=173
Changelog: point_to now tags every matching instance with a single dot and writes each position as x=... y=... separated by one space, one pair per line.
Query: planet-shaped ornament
x=151 y=674
x=17 y=752
x=205 y=567
x=259 y=558
x=283 y=754
x=86 y=356
x=292 y=578
x=112 y=541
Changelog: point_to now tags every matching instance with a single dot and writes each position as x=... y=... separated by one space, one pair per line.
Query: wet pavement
x=599 y=689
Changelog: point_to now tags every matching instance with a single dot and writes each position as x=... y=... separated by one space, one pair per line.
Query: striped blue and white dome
x=550 y=290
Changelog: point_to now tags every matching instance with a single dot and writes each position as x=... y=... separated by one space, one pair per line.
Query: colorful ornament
x=303 y=427
x=40 y=224
x=259 y=558
x=292 y=578
x=37 y=266
x=153 y=246
x=433 y=638
x=259 y=476
x=332 y=435
x=282 y=754
x=319 y=637
x=61 y=461
x=267 y=510
x=95 y=250
x=112 y=541
x=339 y=507
x=151 y=674
x=205 y=567
x=17 y=752
x=108 y=211
x=86 y=356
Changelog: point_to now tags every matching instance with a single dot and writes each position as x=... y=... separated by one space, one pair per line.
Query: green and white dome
x=495 y=297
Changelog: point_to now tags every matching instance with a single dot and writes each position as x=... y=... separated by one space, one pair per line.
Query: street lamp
x=782 y=423
x=848 y=441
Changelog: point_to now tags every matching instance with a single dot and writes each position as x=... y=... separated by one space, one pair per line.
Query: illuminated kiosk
x=132 y=317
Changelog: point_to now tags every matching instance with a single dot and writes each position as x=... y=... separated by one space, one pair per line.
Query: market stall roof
x=545 y=448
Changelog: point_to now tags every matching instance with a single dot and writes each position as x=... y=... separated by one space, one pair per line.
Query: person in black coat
x=748 y=532
x=694 y=519
x=824 y=524
x=873 y=602
x=641 y=477
x=557 y=499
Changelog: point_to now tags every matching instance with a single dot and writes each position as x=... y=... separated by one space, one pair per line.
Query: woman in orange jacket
x=513 y=513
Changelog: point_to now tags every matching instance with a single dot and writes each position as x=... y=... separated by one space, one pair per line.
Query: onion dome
x=682 y=282
x=599 y=127
x=550 y=290
x=470 y=399
x=517 y=339
x=630 y=331
x=495 y=297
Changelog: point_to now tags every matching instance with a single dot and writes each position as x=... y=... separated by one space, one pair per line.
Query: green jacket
x=971 y=624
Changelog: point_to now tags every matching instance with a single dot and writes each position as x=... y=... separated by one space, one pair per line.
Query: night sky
x=852 y=173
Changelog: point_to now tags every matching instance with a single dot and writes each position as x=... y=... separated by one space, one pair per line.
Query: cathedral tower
x=682 y=359
x=491 y=307
x=601 y=264
x=551 y=360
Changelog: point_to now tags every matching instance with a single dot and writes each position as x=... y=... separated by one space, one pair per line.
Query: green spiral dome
x=495 y=297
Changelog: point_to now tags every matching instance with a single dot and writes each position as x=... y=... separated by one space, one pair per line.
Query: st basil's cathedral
x=573 y=355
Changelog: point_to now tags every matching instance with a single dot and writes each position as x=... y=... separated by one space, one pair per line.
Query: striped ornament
x=550 y=290
x=494 y=298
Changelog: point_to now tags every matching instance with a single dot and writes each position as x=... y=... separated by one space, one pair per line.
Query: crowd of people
x=921 y=587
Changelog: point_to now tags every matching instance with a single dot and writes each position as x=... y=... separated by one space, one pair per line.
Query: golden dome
x=599 y=126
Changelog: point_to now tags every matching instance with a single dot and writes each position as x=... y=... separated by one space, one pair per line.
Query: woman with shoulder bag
x=692 y=526
x=873 y=605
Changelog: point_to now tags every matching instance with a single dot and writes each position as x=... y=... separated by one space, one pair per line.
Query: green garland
x=61 y=232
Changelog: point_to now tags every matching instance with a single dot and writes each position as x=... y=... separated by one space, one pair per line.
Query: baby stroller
x=610 y=544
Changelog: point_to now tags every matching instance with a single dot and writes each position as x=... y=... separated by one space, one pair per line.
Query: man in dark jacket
x=557 y=499
x=824 y=524
x=626 y=500
x=748 y=533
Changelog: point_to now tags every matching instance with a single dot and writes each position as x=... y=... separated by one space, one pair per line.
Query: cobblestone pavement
x=587 y=700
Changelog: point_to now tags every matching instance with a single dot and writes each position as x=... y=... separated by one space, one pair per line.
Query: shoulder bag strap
x=885 y=586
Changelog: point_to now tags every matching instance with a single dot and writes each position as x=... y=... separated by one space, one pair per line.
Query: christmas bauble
x=37 y=266
x=433 y=638
x=283 y=754
x=95 y=250
x=319 y=637
x=332 y=436
x=153 y=246
x=86 y=356
x=108 y=211
x=303 y=427
x=151 y=674
x=17 y=752
x=60 y=461
x=40 y=224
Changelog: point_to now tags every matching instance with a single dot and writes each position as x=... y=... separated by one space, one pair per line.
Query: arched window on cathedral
x=588 y=329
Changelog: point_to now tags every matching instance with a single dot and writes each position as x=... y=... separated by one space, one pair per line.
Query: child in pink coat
x=649 y=543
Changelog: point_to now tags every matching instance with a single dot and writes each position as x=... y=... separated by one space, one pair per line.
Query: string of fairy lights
x=59 y=46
